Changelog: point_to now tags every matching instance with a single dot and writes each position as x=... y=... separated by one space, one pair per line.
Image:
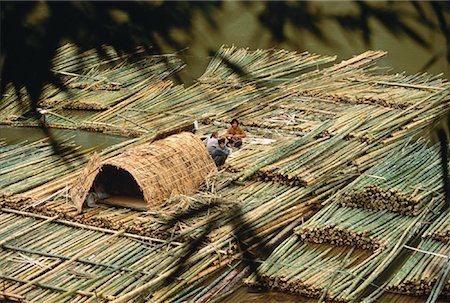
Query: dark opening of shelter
x=116 y=186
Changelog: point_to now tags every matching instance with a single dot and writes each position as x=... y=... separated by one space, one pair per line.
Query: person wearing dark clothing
x=220 y=153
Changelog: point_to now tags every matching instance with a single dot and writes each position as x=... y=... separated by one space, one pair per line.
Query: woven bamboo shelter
x=145 y=176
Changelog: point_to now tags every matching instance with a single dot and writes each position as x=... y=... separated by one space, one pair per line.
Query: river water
x=14 y=135
x=238 y=25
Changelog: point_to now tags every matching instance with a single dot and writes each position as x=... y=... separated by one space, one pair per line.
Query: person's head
x=214 y=134
x=221 y=142
x=234 y=123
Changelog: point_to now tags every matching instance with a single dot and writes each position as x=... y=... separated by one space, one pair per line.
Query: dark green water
x=14 y=135
x=238 y=24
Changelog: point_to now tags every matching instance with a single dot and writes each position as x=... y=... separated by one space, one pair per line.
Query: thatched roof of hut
x=154 y=171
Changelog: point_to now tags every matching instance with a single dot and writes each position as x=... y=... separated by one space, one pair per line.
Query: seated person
x=211 y=142
x=220 y=153
x=235 y=134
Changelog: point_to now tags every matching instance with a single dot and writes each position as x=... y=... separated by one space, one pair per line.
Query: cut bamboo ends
x=175 y=165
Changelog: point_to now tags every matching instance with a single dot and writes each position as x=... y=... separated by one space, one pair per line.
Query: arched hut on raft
x=146 y=175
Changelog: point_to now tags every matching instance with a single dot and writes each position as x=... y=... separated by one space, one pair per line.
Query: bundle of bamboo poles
x=405 y=182
x=344 y=226
x=69 y=61
x=325 y=223
x=65 y=263
x=73 y=283
x=306 y=269
x=346 y=146
x=419 y=274
x=89 y=86
x=440 y=228
x=225 y=103
x=256 y=200
x=359 y=80
x=232 y=65
x=16 y=160
x=334 y=273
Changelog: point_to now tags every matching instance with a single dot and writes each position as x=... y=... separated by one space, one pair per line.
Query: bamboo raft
x=330 y=125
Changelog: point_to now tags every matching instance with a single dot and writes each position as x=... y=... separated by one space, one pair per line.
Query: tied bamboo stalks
x=90 y=273
x=304 y=268
x=421 y=271
x=342 y=226
x=257 y=65
x=404 y=183
x=338 y=224
x=89 y=87
x=17 y=159
x=440 y=228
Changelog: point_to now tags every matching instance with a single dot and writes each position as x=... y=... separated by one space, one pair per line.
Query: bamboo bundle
x=346 y=146
x=70 y=264
x=303 y=268
x=356 y=81
x=405 y=182
x=15 y=163
x=69 y=61
x=163 y=107
x=421 y=270
x=22 y=165
x=343 y=226
x=69 y=58
x=257 y=201
x=251 y=153
x=81 y=269
x=257 y=65
x=440 y=228
x=306 y=166
x=90 y=86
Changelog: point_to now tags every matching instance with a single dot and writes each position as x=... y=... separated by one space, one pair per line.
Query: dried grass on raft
x=172 y=166
x=80 y=189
